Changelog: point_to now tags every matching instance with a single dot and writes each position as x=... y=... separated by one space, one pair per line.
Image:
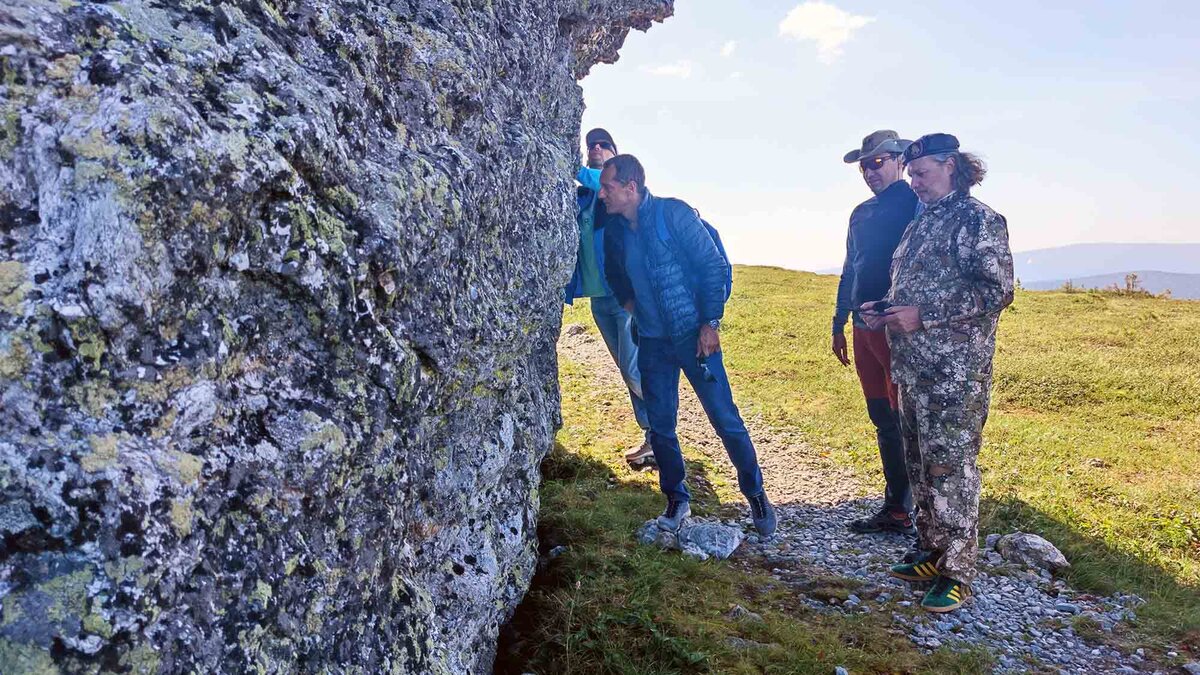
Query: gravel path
x=1026 y=619
x=793 y=470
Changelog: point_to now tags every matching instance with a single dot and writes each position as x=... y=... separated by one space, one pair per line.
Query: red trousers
x=873 y=361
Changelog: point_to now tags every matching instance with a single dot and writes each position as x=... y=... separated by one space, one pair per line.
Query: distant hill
x=1083 y=261
x=1182 y=286
x=1171 y=266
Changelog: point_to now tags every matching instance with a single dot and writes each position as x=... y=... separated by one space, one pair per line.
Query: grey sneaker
x=763 y=514
x=672 y=517
x=640 y=454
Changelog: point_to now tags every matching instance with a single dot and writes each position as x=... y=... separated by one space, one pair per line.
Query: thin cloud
x=828 y=26
x=680 y=69
x=728 y=48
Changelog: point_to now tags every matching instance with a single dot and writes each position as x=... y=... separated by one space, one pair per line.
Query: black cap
x=598 y=134
x=930 y=144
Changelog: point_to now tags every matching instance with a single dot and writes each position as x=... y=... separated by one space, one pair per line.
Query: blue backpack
x=664 y=235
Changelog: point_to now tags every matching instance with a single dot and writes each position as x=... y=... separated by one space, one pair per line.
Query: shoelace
x=758 y=507
x=673 y=508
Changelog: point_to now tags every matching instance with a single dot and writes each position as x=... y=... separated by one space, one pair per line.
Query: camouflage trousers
x=942 y=424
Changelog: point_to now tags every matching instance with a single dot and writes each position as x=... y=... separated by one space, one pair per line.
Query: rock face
x=279 y=291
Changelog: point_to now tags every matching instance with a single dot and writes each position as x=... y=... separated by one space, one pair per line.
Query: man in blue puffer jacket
x=664 y=268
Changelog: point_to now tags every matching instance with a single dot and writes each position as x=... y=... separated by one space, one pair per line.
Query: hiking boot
x=672 y=517
x=641 y=456
x=916 y=566
x=884 y=520
x=763 y=514
x=946 y=595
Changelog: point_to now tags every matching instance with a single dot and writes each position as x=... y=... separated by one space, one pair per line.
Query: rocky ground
x=1028 y=619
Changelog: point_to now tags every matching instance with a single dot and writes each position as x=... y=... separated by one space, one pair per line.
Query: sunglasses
x=605 y=145
x=875 y=162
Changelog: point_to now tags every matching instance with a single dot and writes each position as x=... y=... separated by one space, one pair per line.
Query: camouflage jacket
x=953 y=263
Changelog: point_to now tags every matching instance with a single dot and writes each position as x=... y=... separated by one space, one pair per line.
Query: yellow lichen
x=329 y=436
x=121 y=568
x=14 y=359
x=187 y=467
x=88 y=172
x=343 y=198
x=182 y=515
x=12 y=611
x=142 y=660
x=93 y=396
x=103 y=454
x=68 y=593
x=331 y=228
x=98 y=625
x=262 y=593
x=26 y=658
x=90 y=342
x=14 y=285
x=164 y=423
x=92 y=146
x=64 y=67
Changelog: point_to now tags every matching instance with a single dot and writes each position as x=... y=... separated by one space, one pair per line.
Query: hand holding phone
x=877 y=308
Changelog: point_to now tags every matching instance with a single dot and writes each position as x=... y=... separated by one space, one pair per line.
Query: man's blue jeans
x=660 y=361
x=615 y=327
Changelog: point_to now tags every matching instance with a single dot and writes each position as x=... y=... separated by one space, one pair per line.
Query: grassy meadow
x=1093 y=442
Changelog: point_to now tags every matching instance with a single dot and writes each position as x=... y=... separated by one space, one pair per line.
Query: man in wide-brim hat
x=876 y=226
x=952 y=275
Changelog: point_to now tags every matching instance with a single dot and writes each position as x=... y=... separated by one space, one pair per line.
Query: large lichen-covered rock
x=279 y=290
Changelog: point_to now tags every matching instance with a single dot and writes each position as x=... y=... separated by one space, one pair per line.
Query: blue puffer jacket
x=687 y=271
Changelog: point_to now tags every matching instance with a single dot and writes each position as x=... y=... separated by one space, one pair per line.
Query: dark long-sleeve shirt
x=875 y=229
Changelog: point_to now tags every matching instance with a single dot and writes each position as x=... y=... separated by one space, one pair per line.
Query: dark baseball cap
x=930 y=144
x=596 y=135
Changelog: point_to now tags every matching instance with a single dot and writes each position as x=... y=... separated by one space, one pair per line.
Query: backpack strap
x=660 y=221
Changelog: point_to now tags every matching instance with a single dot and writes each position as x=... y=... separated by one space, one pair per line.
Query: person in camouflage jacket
x=952 y=274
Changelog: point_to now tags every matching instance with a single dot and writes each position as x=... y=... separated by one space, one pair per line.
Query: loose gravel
x=1025 y=618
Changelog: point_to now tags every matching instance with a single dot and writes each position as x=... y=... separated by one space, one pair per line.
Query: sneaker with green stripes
x=946 y=595
x=916 y=566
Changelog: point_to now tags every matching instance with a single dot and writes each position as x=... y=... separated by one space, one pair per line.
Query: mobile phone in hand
x=878 y=308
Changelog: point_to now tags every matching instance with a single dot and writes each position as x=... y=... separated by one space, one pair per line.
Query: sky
x=1087 y=114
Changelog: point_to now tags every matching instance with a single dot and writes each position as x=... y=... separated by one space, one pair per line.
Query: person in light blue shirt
x=613 y=322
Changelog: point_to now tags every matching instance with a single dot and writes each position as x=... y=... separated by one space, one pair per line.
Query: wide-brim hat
x=878 y=143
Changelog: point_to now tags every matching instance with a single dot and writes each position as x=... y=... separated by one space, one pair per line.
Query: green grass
x=1093 y=442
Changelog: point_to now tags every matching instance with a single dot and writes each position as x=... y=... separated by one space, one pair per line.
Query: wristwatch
x=715 y=324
